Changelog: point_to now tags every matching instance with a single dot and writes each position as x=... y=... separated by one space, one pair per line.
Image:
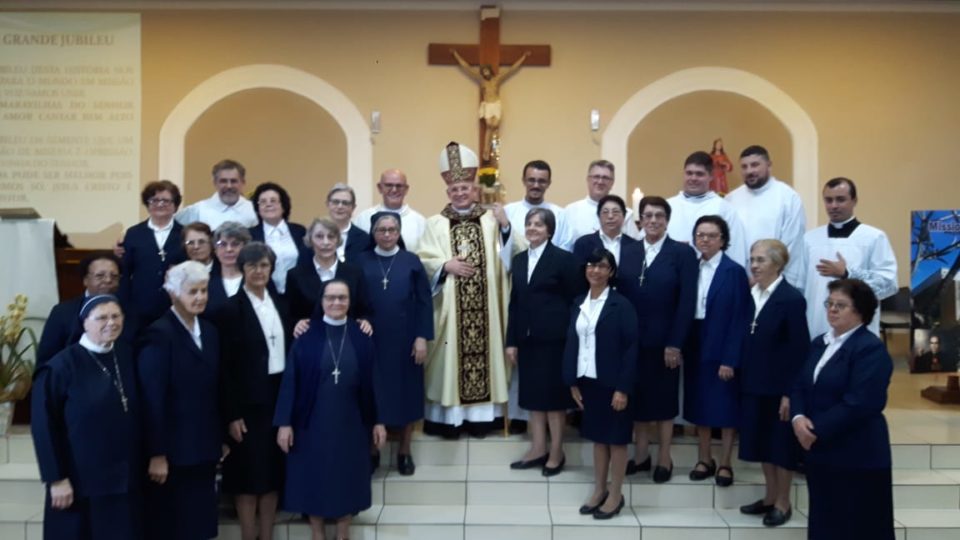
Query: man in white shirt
x=770 y=208
x=536 y=181
x=845 y=248
x=393 y=189
x=581 y=216
x=227 y=204
x=696 y=200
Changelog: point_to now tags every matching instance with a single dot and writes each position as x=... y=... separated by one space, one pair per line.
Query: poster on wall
x=935 y=290
x=70 y=117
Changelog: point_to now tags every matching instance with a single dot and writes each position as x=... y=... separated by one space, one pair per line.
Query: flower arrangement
x=488 y=176
x=16 y=369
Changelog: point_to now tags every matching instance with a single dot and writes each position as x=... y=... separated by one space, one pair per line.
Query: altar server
x=393 y=188
x=581 y=216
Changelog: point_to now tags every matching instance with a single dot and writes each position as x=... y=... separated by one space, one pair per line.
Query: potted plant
x=16 y=360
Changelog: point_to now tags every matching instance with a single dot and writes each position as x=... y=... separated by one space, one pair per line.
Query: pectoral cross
x=273 y=340
x=385 y=282
x=336 y=375
x=641 y=280
x=123 y=399
x=753 y=327
x=163 y=255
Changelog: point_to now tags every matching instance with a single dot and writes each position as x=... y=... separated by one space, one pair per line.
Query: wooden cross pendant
x=336 y=375
x=385 y=282
x=753 y=327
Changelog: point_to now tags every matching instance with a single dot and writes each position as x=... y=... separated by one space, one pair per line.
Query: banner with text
x=70 y=117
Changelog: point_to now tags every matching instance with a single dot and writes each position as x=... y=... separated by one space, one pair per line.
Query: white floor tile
x=679 y=517
x=13 y=531
x=930 y=519
x=420 y=532
x=431 y=473
x=503 y=473
x=921 y=533
x=20 y=512
x=911 y=456
x=735 y=519
x=34 y=531
x=593 y=532
x=570 y=516
x=428 y=493
x=20 y=449
x=945 y=456
x=929 y=496
x=572 y=494
x=508 y=515
x=503 y=493
x=508 y=532
x=301 y=531
x=671 y=495
x=422 y=515
x=433 y=452
x=496 y=452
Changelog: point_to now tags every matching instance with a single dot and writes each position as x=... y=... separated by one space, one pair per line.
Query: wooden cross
x=489 y=52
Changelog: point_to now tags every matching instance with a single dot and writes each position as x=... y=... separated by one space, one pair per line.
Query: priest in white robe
x=696 y=200
x=845 y=248
x=770 y=208
x=227 y=204
x=466 y=251
x=581 y=216
x=536 y=181
x=393 y=188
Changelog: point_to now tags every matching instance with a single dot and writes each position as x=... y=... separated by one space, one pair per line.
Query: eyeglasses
x=707 y=236
x=262 y=265
x=599 y=266
x=601 y=177
x=339 y=202
x=197 y=242
x=156 y=201
x=105 y=276
x=386 y=230
x=839 y=306
x=335 y=298
x=393 y=187
x=229 y=244
x=654 y=215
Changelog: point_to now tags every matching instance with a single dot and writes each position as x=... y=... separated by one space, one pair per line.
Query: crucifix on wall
x=482 y=62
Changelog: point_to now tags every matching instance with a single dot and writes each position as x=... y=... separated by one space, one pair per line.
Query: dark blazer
x=846 y=403
x=540 y=309
x=586 y=244
x=179 y=391
x=63 y=328
x=776 y=349
x=357 y=241
x=143 y=271
x=303 y=290
x=297 y=233
x=729 y=312
x=244 y=356
x=667 y=301
x=617 y=341
x=216 y=293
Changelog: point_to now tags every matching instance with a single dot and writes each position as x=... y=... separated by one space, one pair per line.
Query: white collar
x=282 y=227
x=334 y=322
x=333 y=267
x=712 y=262
x=528 y=205
x=222 y=206
x=829 y=338
x=656 y=245
x=195 y=331
x=89 y=345
x=156 y=228
x=842 y=223
x=603 y=236
x=343 y=232
x=384 y=253
x=535 y=252
x=764 y=188
x=592 y=202
x=698 y=198
x=769 y=290
x=255 y=300
x=402 y=210
x=463 y=211
x=603 y=296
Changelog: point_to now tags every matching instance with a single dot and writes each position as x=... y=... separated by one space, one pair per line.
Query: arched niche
x=614 y=144
x=173 y=133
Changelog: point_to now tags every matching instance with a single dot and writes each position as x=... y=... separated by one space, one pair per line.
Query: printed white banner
x=70 y=117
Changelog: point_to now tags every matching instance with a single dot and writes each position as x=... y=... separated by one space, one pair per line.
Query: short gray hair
x=185 y=273
x=255 y=252
x=340 y=186
x=233 y=230
x=775 y=250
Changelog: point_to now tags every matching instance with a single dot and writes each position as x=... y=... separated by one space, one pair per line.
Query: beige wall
x=880 y=88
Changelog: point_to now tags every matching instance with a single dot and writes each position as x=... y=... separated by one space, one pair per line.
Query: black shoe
x=662 y=474
x=405 y=465
x=586 y=509
x=724 y=481
x=478 y=430
x=374 y=462
x=530 y=463
x=756 y=508
x=553 y=471
x=634 y=468
x=776 y=518
x=710 y=470
x=599 y=514
x=517 y=427
x=441 y=430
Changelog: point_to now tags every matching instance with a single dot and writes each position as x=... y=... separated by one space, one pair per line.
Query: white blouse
x=590 y=311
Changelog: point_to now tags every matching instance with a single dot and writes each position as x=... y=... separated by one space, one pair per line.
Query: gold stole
x=473 y=329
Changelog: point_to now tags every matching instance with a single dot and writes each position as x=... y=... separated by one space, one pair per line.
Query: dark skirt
x=657 y=394
x=106 y=517
x=255 y=466
x=763 y=436
x=185 y=507
x=540 y=365
x=707 y=400
x=849 y=504
x=600 y=423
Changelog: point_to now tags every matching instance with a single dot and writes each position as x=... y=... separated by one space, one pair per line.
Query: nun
x=399 y=292
x=86 y=432
x=326 y=416
x=178 y=374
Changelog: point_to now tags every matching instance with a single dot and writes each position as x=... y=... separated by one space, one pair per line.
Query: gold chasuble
x=465 y=361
